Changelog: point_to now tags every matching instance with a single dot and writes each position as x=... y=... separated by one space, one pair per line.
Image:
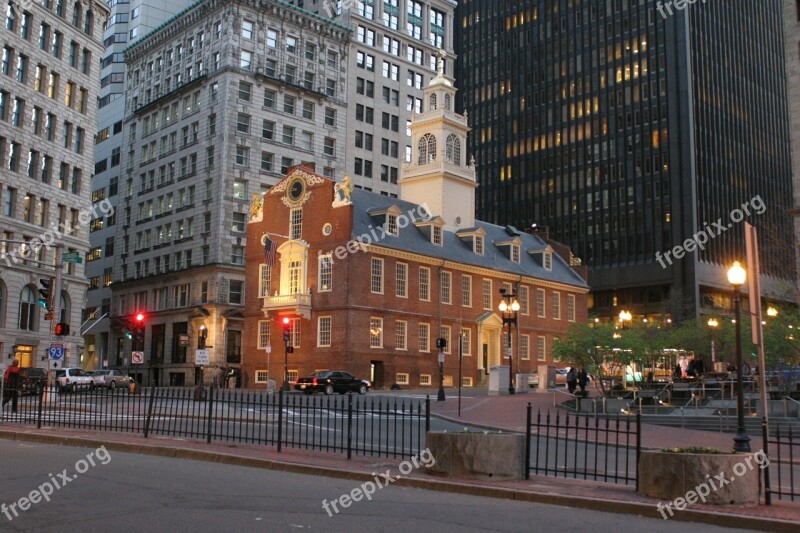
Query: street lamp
x=624 y=316
x=771 y=311
x=736 y=277
x=510 y=309
x=713 y=323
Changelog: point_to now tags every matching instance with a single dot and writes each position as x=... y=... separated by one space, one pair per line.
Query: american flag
x=269 y=252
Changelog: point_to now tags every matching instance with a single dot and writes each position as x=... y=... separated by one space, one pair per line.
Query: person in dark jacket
x=583 y=380
x=572 y=380
x=11 y=385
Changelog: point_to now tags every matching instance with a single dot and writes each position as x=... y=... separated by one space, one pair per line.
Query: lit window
x=375 y=332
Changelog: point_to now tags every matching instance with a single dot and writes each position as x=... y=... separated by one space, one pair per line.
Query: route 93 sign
x=56 y=351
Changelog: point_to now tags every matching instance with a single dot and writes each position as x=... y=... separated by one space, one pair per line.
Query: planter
x=670 y=476
x=477 y=455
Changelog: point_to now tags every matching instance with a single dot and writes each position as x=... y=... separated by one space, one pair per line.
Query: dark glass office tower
x=626 y=127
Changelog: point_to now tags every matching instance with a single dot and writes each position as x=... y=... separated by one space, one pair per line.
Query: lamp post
x=713 y=324
x=736 y=277
x=624 y=316
x=510 y=309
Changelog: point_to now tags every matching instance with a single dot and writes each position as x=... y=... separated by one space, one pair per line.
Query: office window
x=424 y=337
x=325 y=273
x=466 y=291
x=487 y=294
x=245 y=59
x=446 y=285
x=466 y=341
x=401 y=280
x=541 y=354
x=245 y=91
x=556 y=305
x=400 y=334
x=375 y=332
x=540 y=299
x=242 y=155
x=444 y=332
x=376 y=275
x=571 y=307
x=323 y=331
x=524 y=347
x=424 y=284
x=296 y=223
x=263 y=334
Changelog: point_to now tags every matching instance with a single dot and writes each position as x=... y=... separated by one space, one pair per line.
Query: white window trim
x=556 y=297
x=428 y=299
x=383 y=274
x=401 y=378
x=405 y=335
x=525 y=354
x=319 y=331
x=427 y=348
x=380 y=335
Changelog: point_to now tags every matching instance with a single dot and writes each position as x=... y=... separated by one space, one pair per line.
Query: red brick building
x=369 y=282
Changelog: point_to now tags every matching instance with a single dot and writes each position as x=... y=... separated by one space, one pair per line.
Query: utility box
x=498 y=378
x=522 y=383
x=547 y=377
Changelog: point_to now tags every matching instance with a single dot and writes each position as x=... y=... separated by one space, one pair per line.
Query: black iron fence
x=783 y=451
x=600 y=448
x=351 y=424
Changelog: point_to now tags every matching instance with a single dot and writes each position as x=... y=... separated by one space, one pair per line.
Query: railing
x=391 y=427
x=784 y=461
x=786 y=401
x=600 y=448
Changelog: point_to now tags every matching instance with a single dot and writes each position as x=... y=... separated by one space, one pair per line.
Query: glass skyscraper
x=626 y=128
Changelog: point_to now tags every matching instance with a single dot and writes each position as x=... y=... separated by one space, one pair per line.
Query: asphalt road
x=127 y=492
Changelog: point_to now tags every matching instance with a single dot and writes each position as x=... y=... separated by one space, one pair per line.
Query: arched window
x=447 y=102
x=77 y=10
x=432 y=105
x=453 y=149
x=88 y=23
x=64 y=305
x=27 y=310
x=427 y=149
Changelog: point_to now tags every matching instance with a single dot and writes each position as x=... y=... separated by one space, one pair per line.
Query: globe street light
x=509 y=306
x=624 y=316
x=736 y=277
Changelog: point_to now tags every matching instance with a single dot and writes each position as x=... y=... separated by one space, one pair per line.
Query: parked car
x=32 y=380
x=110 y=379
x=72 y=379
x=330 y=381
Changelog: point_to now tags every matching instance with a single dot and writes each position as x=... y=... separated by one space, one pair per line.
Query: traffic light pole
x=56 y=299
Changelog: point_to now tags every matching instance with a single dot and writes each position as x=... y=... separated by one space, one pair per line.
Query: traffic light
x=202 y=335
x=441 y=343
x=139 y=326
x=46 y=293
x=62 y=329
x=287 y=329
x=128 y=334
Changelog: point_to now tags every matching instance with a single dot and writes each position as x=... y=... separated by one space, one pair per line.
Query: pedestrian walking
x=11 y=384
x=583 y=380
x=572 y=380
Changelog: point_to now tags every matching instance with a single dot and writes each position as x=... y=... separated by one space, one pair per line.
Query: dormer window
x=391 y=225
x=436 y=236
x=515 y=253
x=477 y=245
x=547 y=261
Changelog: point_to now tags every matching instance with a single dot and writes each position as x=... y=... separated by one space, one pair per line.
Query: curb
x=549 y=498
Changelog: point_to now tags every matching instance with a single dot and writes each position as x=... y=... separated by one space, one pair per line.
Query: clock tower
x=440 y=174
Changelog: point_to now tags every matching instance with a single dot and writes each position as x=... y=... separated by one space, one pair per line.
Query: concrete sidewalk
x=498 y=412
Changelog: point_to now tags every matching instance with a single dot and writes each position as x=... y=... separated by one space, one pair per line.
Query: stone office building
x=369 y=282
x=222 y=100
x=49 y=80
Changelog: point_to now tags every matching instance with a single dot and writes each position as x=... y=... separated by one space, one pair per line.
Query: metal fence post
x=39 y=415
x=149 y=412
x=427 y=414
x=210 y=414
x=528 y=444
x=280 y=418
x=638 y=446
x=349 y=426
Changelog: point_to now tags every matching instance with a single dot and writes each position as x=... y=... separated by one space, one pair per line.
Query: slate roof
x=411 y=239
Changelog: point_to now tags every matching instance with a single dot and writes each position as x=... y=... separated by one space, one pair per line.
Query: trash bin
x=199 y=393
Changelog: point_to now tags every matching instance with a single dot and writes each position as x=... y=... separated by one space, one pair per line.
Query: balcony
x=299 y=304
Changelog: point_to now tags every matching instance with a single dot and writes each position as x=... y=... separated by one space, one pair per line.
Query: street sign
x=137 y=358
x=49 y=315
x=202 y=357
x=441 y=357
x=72 y=257
x=268 y=348
x=56 y=351
x=183 y=340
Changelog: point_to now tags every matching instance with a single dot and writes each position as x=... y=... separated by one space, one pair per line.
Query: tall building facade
x=791 y=27
x=640 y=134
x=49 y=82
x=392 y=57
x=221 y=101
x=128 y=22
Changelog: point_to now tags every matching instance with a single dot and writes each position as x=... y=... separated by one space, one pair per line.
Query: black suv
x=32 y=380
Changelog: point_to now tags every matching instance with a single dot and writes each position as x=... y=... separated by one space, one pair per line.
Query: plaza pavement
x=507 y=413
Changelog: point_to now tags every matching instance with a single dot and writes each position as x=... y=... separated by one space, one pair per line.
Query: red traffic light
x=61 y=329
x=139 y=317
x=286 y=321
